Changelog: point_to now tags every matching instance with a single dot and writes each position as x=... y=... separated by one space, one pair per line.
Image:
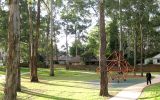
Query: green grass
x=65 y=85
x=2 y=70
x=151 y=92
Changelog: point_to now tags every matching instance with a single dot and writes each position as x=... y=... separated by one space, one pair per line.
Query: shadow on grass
x=44 y=95
x=65 y=85
x=74 y=81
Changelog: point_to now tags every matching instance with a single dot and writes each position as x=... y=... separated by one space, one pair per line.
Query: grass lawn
x=66 y=85
x=3 y=70
x=151 y=92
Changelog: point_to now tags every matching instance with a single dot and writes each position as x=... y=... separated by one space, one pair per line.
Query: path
x=134 y=91
x=2 y=77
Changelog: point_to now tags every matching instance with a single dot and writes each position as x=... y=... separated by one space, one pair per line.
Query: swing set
x=117 y=67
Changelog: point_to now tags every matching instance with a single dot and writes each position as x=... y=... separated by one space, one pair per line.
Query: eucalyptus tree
x=24 y=39
x=144 y=11
x=34 y=37
x=135 y=13
x=54 y=8
x=13 y=50
x=76 y=15
x=102 y=58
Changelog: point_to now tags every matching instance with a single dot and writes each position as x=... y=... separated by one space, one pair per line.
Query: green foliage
x=3 y=28
x=130 y=14
x=58 y=3
x=113 y=32
x=80 y=49
x=93 y=42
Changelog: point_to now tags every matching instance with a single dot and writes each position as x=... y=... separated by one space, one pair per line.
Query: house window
x=158 y=60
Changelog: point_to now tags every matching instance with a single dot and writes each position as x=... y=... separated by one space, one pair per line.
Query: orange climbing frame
x=117 y=63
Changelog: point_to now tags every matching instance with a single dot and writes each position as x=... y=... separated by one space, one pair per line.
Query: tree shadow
x=65 y=85
x=44 y=95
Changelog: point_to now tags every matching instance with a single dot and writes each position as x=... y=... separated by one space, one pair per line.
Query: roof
x=157 y=56
x=76 y=59
x=70 y=59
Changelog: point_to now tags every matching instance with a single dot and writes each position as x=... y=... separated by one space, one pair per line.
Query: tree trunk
x=120 y=26
x=67 y=65
x=18 y=70
x=47 y=42
x=135 y=51
x=34 y=44
x=51 y=49
x=18 y=79
x=13 y=49
x=51 y=59
x=76 y=41
x=102 y=59
x=141 y=49
x=30 y=38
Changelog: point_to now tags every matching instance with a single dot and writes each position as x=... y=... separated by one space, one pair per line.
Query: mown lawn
x=151 y=92
x=65 y=85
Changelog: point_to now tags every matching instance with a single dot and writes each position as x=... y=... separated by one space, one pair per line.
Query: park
x=79 y=50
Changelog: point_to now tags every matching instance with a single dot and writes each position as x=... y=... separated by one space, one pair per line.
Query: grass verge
x=151 y=92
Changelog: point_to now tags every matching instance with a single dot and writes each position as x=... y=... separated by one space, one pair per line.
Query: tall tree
x=53 y=31
x=135 y=51
x=76 y=14
x=34 y=37
x=51 y=45
x=102 y=58
x=13 y=50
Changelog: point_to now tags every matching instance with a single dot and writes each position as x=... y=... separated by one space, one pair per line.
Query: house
x=153 y=60
x=75 y=60
x=156 y=59
x=71 y=60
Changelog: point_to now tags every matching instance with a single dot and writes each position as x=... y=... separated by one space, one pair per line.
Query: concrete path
x=2 y=77
x=134 y=91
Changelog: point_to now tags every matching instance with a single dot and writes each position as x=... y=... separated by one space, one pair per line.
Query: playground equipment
x=117 y=67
